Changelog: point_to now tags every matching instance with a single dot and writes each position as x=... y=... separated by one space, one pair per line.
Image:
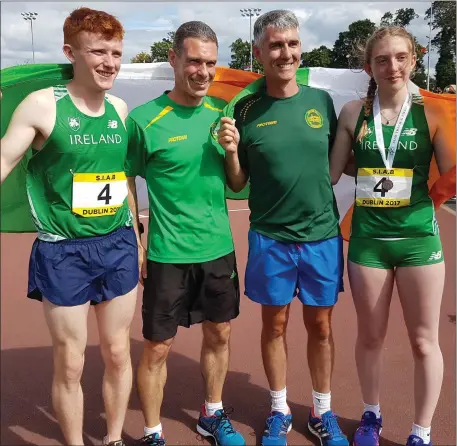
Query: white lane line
x=230 y=210
x=448 y=209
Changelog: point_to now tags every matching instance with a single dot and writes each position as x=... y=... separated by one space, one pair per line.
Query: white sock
x=211 y=408
x=321 y=403
x=422 y=432
x=370 y=408
x=153 y=430
x=279 y=401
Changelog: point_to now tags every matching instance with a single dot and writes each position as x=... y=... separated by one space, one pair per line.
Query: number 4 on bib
x=104 y=195
x=98 y=194
x=382 y=187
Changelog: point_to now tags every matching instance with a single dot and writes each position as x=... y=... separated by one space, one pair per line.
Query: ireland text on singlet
x=403 y=208
x=76 y=183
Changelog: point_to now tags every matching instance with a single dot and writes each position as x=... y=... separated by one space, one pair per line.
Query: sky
x=147 y=22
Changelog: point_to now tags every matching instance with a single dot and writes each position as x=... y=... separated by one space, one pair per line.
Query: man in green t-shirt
x=190 y=275
x=281 y=143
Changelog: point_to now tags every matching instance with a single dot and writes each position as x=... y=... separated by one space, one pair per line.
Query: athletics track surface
x=26 y=364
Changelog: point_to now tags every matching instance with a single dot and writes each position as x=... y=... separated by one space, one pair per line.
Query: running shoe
x=327 y=429
x=414 y=440
x=113 y=443
x=220 y=428
x=369 y=430
x=277 y=427
x=152 y=440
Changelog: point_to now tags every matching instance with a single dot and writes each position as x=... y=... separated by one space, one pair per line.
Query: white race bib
x=381 y=187
x=98 y=194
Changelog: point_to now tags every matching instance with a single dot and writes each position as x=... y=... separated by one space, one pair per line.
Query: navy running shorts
x=276 y=272
x=75 y=271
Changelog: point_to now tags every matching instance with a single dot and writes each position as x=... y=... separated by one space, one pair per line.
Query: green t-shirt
x=284 y=147
x=175 y=149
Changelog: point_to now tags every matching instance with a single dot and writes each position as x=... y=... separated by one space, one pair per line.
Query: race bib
x=98 y=194
x=387 y=188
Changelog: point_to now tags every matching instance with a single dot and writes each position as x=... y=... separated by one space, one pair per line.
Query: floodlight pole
x=429 y=46
x=250 y=12
x=30 y=16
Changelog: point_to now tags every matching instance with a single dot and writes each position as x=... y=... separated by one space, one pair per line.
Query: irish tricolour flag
x=138 y=83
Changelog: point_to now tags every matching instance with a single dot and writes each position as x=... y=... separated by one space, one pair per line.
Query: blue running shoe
x=277 y=427
x=414 y=440
x=327 y=429
x=369 y=430
x=152 y=440
x=220 y=428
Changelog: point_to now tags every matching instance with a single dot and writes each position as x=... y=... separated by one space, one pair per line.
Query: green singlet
x=284 y=148
x=405 y=210
x=76 y=183
x=175 y=149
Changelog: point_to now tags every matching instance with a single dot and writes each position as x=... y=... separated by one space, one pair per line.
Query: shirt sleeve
x=333 y=122
x=242 y=152
x=136 y=150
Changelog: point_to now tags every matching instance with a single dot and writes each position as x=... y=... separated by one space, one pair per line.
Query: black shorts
x=186 y=294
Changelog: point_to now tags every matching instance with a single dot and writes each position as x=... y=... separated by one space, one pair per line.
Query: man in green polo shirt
x=281 y=143
x=191 y=272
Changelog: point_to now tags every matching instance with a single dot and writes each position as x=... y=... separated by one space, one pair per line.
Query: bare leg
x=214 y=360
x=421 y=291
x=152 y=375
x=372 y=293
x=320 y=346
x=274 y=345
x=114 y=318
x=68 y=328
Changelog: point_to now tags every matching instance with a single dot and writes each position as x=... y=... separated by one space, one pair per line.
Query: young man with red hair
x=86 y=250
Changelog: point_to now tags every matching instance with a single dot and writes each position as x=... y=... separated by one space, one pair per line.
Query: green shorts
x=389 y=254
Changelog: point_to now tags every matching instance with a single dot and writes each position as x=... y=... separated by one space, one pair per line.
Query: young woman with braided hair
x=394 y=233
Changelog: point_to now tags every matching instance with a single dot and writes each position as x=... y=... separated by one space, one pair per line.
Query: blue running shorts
x=73 y=272
x=276 y=272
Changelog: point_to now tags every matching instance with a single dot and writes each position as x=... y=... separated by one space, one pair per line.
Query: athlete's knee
x=274 y=330
x=116 y=355
x=68 y=364
x=320 y=328
x=217 y=335
x=423 y=346
x=371 y=337
x=155 y=353
x=274 y=323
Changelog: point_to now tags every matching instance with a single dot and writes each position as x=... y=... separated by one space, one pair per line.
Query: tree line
x=347 y=51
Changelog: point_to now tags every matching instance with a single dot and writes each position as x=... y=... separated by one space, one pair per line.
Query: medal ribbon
x=388 y=161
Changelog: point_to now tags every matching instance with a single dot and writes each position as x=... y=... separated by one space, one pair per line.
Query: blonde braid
x=372 y=86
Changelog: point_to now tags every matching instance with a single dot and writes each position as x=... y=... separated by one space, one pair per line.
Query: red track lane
x=26 y=365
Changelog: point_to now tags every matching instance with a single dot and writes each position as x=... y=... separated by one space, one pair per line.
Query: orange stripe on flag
x=229 y=82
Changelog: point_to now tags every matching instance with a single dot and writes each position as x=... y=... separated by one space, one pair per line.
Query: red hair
x=91 y=21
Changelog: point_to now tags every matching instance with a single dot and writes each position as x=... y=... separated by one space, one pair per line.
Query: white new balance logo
x=409 y=132
x=435 y=256
x=112 y=124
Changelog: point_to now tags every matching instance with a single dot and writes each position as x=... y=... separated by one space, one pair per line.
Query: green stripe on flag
x=303 y=76
x=16 y=83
